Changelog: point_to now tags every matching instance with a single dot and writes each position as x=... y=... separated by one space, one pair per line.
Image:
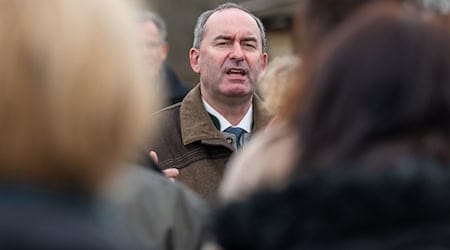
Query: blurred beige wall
x=280 y=43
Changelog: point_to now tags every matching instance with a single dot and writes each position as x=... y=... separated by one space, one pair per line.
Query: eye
x=152 y=45
x=222 y=43
x=250 y=45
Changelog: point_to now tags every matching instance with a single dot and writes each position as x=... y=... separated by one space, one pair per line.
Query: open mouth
x=235 y=71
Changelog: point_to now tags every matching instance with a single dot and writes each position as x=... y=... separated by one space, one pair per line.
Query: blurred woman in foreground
x=73 y=104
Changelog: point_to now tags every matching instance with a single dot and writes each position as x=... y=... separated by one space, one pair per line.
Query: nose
x=236 y=52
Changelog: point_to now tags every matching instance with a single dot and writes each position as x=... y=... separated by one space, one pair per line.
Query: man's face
x=154 y=50
x=230 y=58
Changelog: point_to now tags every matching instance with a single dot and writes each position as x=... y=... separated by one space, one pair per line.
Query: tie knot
x=238 y=132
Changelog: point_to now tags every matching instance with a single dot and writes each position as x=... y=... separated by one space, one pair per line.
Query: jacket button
x=229 y=140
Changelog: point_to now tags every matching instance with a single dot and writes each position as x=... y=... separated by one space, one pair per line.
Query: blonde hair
x=276 y=80
x=74 y=100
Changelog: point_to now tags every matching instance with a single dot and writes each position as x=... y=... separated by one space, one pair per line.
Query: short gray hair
x=149 y=16
x=203 y=18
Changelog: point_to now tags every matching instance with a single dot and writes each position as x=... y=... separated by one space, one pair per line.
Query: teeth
x=236 y=71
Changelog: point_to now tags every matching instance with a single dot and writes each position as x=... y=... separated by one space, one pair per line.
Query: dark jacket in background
x=189 y=141
x=175 y=89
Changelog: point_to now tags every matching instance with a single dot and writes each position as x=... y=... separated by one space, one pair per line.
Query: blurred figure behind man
x=153 y=31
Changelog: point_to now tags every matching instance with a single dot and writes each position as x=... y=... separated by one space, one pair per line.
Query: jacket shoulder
x=168 y=118
x=168 y=139
x=169 y=109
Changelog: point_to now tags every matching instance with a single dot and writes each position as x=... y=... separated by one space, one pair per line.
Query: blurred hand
x=170 y=173
x=154 y=156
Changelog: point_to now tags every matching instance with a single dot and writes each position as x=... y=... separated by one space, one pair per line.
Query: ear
x=265 y=59
x=194 y=59
x=164 y=51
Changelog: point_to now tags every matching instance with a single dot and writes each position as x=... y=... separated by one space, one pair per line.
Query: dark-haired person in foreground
x=374 y=149
x=404 y=207
x=269 y=156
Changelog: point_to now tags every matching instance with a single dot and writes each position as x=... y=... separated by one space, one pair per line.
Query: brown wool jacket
x=189 y=141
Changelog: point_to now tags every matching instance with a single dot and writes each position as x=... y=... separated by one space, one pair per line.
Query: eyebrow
x=250 y=39
x=222 y=37
x=225 y=37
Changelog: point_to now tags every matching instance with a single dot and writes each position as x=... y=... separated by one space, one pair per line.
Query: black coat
x=404 y=207
x=175 y=89
x=34 y=218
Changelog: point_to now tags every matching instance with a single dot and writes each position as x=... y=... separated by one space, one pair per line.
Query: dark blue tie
x=238 y=132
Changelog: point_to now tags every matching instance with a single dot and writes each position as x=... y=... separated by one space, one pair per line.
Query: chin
x=238 y=93
x=237 y=90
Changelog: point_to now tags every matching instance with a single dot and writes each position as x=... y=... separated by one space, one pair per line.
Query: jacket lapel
x=194 y=120
x=196 y=125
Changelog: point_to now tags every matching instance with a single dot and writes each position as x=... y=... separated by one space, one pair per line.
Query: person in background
x=219 y=114
x=74 y=104
x=153 y=30
x=374 y=154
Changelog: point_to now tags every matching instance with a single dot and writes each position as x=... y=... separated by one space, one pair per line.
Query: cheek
x=257 y=66
x=213 y=59
x=161 y=56
x=209 y=64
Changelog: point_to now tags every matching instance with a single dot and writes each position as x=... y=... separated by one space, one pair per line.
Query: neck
x=234 y=111
x=233 y=114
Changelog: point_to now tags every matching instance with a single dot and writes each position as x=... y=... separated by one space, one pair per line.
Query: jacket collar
x=197 y=125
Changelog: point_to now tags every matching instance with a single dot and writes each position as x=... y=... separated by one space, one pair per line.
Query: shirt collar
x=245 y=123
